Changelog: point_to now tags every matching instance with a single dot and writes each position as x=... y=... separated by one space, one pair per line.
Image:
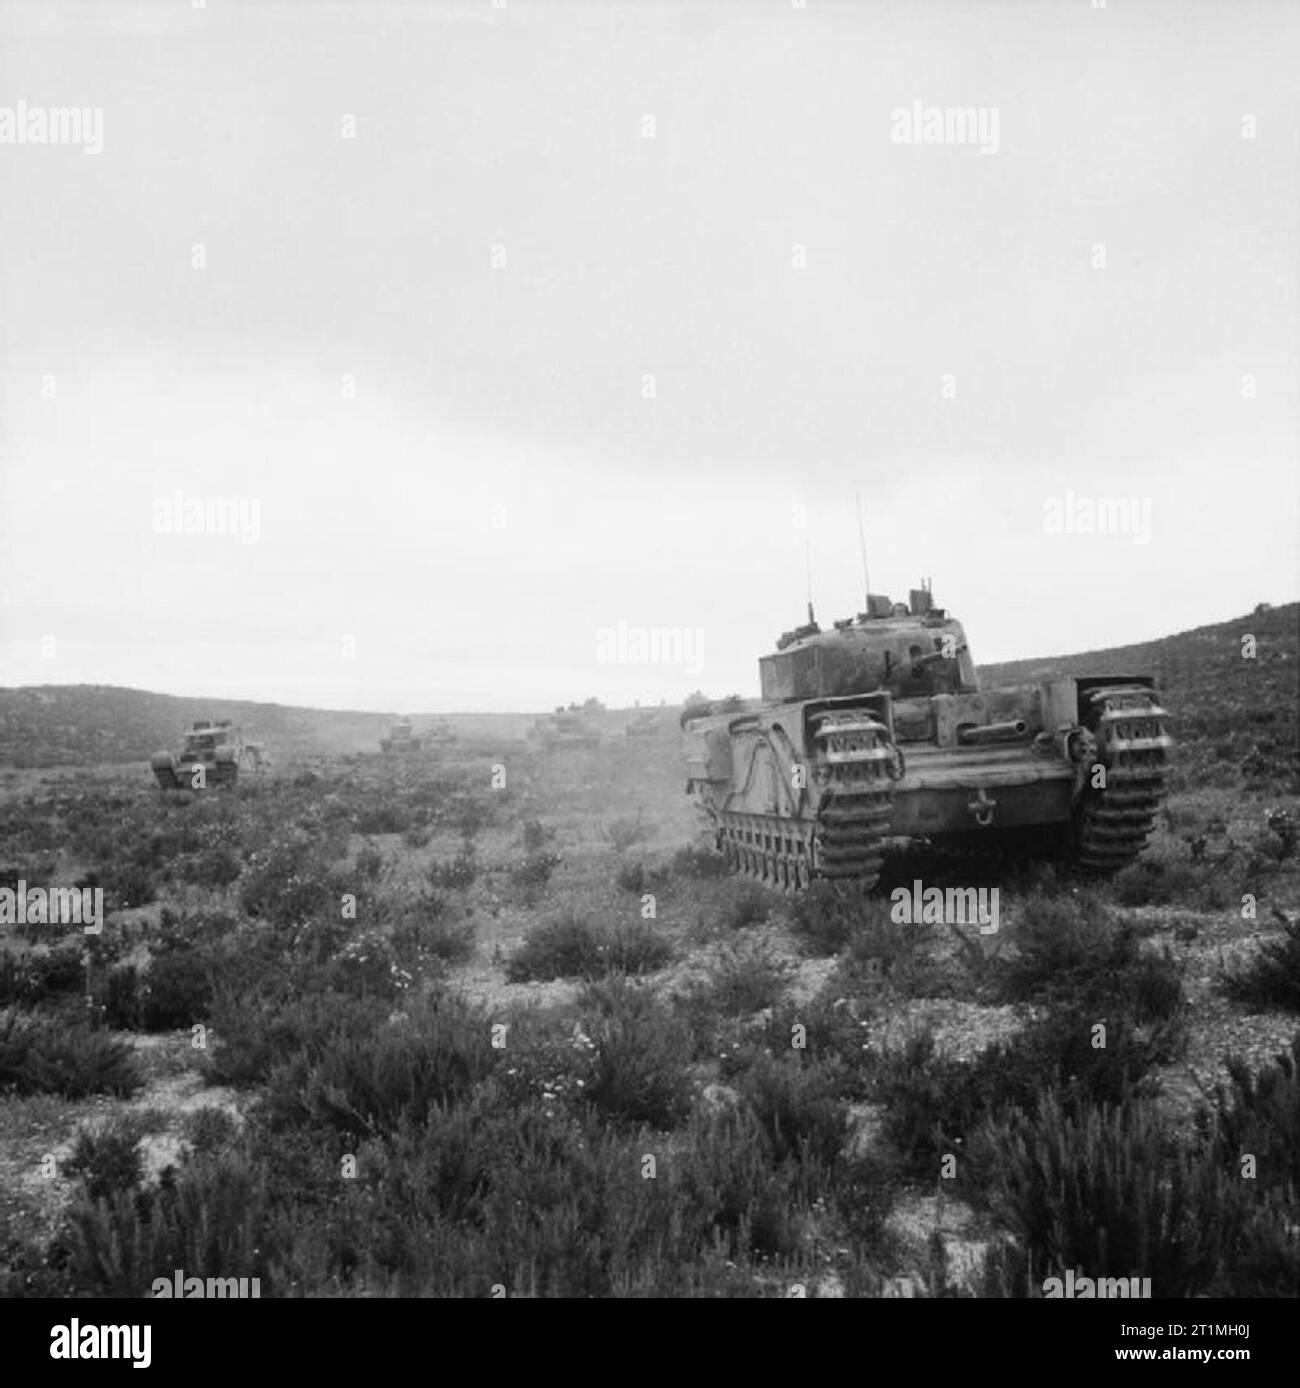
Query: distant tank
x=567 y=729
x=439 y=733
x=401 y=738
x=879 y=729
x=215 y=747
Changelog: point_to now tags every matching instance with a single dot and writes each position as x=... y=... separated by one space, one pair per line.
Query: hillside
x=87 y=724
x=523 y=903
x=1225 y=706
x=91 y=725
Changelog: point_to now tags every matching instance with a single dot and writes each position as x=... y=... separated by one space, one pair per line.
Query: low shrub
x=828 y=915
x=366 y=1084
x=934 y=1103
x=1258 y=1114
x=107 y=1159
x=535 y=835
x=252 y=1034
x=570 y=946
x=369 y=863
x=566 y=946
x=128 y=884
x=631 y=877
x=1150 y=882
x=289 y=882
x=623 y=832
x=534 y=872
x=118 y=998
x=798 y=1106
x=175 y=990
x=470 y=811
x=31 y=979
x=743 y=981
x=40 y=1055
x=1284 y=834
x=930 y=1103
x=430 y=935
x=886 y=950
x=1058 y=939
x=742 y=904
x=1272 y=977
x=830 y=1028
x=214 y=867
x=696 y=862
x=1106 y=1190
x=210 y=1130
x=731 y=1188
x=640 y=1053
x=214 y=1220
x=384 y=817
x=367 y=966
x=1070 y=950
x=458 y=874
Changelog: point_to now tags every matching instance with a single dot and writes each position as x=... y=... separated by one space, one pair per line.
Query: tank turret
x=912 y=651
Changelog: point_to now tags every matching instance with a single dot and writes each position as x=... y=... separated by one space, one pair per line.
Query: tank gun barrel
x=939 y=655
x=974 y=735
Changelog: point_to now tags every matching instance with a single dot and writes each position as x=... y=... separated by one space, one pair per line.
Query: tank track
x=225 y=774
x=1113 y=822
x=855 y=766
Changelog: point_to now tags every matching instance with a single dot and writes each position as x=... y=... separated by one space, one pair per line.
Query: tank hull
x=795 y=790
x=174 y=772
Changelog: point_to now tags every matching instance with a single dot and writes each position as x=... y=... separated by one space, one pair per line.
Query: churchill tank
x=209 y=758
x=401 y=738
x=878 y=731
x=571 y=729
x=440 y=733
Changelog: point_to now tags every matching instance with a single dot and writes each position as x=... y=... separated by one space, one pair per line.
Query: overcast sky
x=507 y=325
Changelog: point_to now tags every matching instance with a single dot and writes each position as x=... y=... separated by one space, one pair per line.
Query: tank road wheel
x=858 y=803
x=1112 y=822
x=776 y=852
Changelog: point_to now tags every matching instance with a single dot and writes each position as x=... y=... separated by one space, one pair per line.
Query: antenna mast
x=807 y=544
x=862 y=543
